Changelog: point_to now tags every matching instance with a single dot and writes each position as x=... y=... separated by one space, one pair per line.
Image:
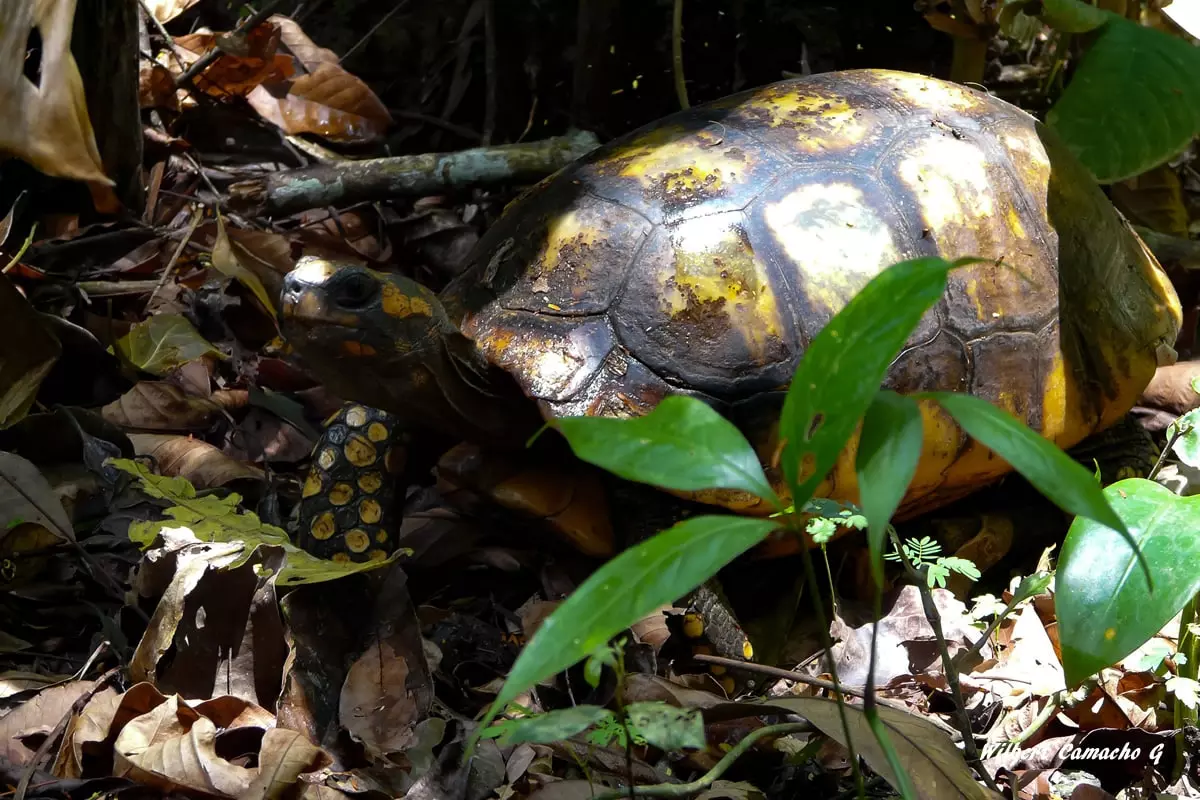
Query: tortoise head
x=384 y=340
x=365 y=333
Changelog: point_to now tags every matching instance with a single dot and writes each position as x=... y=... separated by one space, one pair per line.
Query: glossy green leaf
x=1133 y=102
x=682 y=444
x=1105 y=608
x=845 y=364
x=666 y=727
x=888 y=452
x=1051 y=471
x=933 y=764
x=657 y=571
x=1185 y=432
x=552 y=726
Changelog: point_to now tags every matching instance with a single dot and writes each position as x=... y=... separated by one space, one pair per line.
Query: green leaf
x=682 y=444
x=843 y=368
x=667 y=727
x=552 y=726
x=1185 y=433
x=888 y=452
x=653 y=573
x=1133 y=102
x=164 y=342
x=1105 y=607
x=1051 y=471
x=211 y=518
x=931 y=761
x=1071 y=16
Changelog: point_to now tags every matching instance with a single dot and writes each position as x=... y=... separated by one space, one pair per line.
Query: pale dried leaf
x=48 y=126
x=156 y=87
x=173 y=747
x=36 y=718
x=376 y=706
x=27 y=497
x=303 y=48
x=167 y=10
x=284 y=756
x=156 y=405
x=329 y=102
x=245 y=63
x=15 y=681
x=1171 y=388
x=203 y=465
x=86 y=733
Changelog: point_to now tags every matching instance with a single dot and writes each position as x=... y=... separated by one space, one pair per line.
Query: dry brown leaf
x=201 y=463
x=159 y=406
x=23 y=728
x=303 y=48
x=328 y=102
x=156 y=87
x=167 y=10
x=376 y=706
x=47 y=125
x=234 y=74
x=1154 y=199
x=1171 y=388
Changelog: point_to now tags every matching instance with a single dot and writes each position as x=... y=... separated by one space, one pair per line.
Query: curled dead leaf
x=157 y=405
x=307 y=52
x=328 y=102
x=199 y=462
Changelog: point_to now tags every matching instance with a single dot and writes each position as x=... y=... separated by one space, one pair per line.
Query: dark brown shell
x=703 y=253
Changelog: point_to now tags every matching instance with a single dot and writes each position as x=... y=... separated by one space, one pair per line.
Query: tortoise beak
x=303 y=296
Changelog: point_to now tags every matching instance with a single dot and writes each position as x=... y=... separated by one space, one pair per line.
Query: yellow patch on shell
x=396 y=303
x=686 y=166
x=327 y=458
x=341 y=494
x=822 y=121
x=377 y=555
x=370 y=482
x=357 y=540
x=950 y=179
x=715 y=264
x=747 y=650
x=566 y=235
x=356 y=416
x=833 y=232
x=340 y=558
x=377 y=432
x=312 y=484
x=369 y=511
x=381 y=536
x=360 y=451
x=928 y=93
x=323 y=526
x=693 y=626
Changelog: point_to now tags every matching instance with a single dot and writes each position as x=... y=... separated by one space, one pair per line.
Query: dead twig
x=344 y=183
x=187 y=76
x=354 y=48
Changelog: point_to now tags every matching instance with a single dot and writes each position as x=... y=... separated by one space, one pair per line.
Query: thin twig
x=170 y=40
x=187 y=237
x=710 y=777
x=202 y=63
x=677 y=54
x=371 y=32
x=489 y=70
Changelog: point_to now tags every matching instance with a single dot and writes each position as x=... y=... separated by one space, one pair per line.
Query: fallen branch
x=346 y=183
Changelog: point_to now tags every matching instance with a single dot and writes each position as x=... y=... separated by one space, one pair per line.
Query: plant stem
x=710 y=777
x=970 y=750
x=677 y=54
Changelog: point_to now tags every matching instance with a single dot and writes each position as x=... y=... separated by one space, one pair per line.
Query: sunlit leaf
x=163 y=342
x=1105 y=608
x=682 y=444
x=888 y=452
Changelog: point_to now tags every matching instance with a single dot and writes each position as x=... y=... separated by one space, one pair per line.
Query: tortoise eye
x=355 y=290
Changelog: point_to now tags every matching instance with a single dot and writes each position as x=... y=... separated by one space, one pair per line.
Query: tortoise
x=700 y=254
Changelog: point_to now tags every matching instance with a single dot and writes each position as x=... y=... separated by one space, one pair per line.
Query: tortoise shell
x=702 y=253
